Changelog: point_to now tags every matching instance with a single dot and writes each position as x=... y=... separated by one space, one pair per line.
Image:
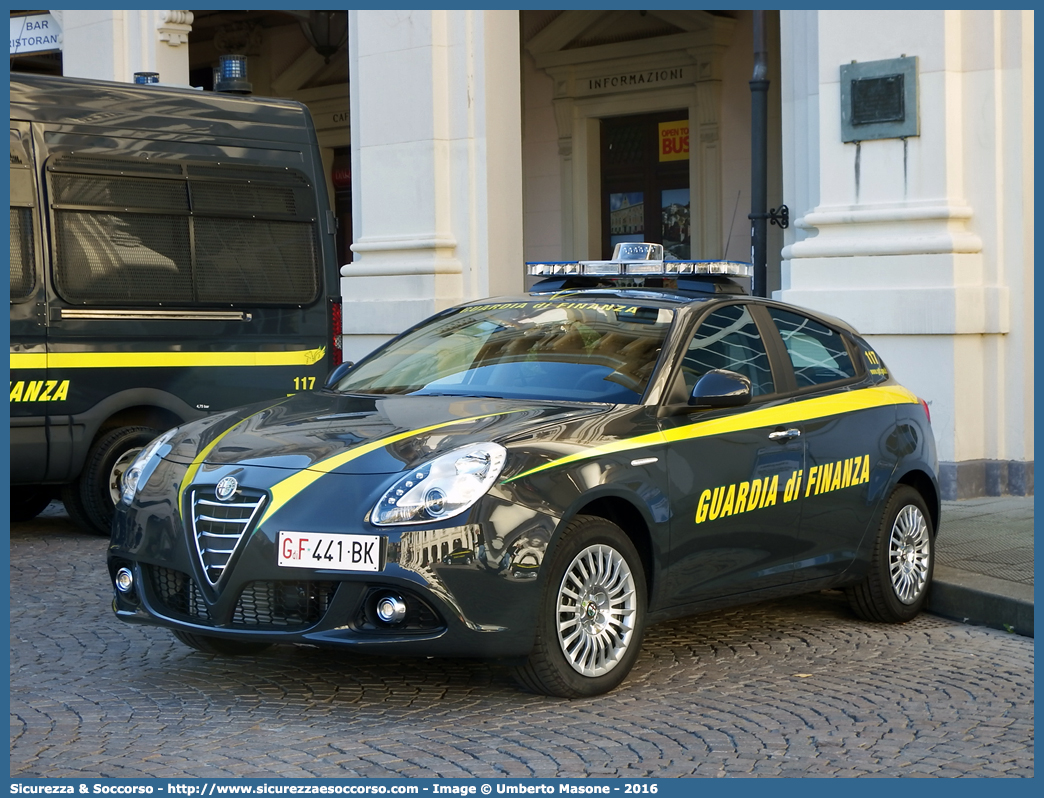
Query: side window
x=23 y=272
x=149 y=232
x=817 y=353
x=729 y=339
x=23 y=257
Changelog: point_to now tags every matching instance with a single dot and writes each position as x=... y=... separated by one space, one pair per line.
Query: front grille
x=219 y=526
x=283 y=604
x=178 y=593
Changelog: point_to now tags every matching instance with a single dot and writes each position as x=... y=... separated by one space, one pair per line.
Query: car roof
x=664 y=296
x=655 y=297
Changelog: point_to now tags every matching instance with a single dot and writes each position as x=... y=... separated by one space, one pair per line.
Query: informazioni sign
x=35 y=33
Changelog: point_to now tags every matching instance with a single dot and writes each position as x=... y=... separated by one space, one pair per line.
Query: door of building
x=645 y=182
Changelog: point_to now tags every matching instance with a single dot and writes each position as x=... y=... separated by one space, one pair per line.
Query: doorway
x=645 y=182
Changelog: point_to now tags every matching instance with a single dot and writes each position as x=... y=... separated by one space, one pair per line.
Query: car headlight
x=443 y=487
x=143 y=466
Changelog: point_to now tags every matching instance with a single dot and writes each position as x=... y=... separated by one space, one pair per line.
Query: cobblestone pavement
x=787 y=688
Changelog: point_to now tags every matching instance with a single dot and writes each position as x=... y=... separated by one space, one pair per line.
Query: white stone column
x=113 y=45
x=925 y=244
x=436 y=166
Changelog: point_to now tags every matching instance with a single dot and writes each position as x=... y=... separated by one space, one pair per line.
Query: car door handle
x=784 y=434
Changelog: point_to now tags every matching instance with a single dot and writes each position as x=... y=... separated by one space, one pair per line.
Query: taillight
x=927 y=412
x=336 y=354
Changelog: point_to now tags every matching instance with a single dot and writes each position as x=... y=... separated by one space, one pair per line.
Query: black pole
x=759 y=85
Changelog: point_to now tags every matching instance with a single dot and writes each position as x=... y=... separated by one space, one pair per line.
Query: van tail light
x=336 y=317
x=927 y=412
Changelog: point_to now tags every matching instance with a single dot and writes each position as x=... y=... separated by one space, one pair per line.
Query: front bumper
x=481 y=605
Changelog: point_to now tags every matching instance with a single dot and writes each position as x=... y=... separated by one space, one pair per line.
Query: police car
x=538 y=478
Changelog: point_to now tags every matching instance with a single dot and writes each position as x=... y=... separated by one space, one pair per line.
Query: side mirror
x=721 y=388
x=338 y=372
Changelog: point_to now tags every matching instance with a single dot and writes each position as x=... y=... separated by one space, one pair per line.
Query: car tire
x=99 y=482
x=221 y=646
x=896 y=588
x=580 y=650
x=27 y=501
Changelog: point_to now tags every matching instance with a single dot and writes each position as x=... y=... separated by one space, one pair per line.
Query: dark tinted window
x=729 y=339
x=817 y=353
x=136 y=231
x=23 y=258
x=23 y=272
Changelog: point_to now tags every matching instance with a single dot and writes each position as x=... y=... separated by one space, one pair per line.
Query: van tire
x=70 y=496
x=108 y=458
x=27 y=501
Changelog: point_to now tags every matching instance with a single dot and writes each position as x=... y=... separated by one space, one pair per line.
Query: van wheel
x=70 y=496
x=28 y=502
x=221 y=646
x=99 y=483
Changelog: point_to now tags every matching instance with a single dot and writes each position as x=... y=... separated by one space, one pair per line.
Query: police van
x=172 y=255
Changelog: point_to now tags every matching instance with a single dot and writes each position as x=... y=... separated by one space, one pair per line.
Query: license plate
x=330 y=551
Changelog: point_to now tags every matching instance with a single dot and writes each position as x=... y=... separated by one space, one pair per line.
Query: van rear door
x=31 y=394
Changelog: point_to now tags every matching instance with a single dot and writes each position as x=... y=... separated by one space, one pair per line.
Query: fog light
x=125 y=580
x=391 y=609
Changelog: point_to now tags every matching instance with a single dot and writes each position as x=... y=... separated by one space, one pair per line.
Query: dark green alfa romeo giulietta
x=537 y=478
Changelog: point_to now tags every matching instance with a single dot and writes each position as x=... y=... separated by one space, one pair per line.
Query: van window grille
x=146 y=233
x=220 y=198
x=232 y=253
x=137 y=166
x=122 y=257
x=239 y=172
x=23 y=260
x=126 y=193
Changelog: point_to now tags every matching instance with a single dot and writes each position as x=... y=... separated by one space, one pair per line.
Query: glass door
x=645 y=182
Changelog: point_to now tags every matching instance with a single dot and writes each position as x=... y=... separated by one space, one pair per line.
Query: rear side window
x=817 y=353
x=143 y=232
x=23 y=257
x=729 y=339
x=23 y=273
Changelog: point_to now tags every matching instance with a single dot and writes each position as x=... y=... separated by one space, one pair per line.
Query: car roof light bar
x=549 y=268
x=640 y=258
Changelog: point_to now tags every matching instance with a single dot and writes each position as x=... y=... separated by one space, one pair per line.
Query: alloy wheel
x=597 y=610
x=909 y=553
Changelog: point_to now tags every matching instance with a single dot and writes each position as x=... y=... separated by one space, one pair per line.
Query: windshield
x=557 y=350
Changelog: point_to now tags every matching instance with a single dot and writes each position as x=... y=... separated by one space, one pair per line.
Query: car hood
x=346 y=434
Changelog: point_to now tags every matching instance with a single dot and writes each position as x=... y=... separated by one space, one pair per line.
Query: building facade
x=461 y=143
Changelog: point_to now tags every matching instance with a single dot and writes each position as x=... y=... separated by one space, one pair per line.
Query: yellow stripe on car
x=104 y=360
x=197 y=461
x=789 y=413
